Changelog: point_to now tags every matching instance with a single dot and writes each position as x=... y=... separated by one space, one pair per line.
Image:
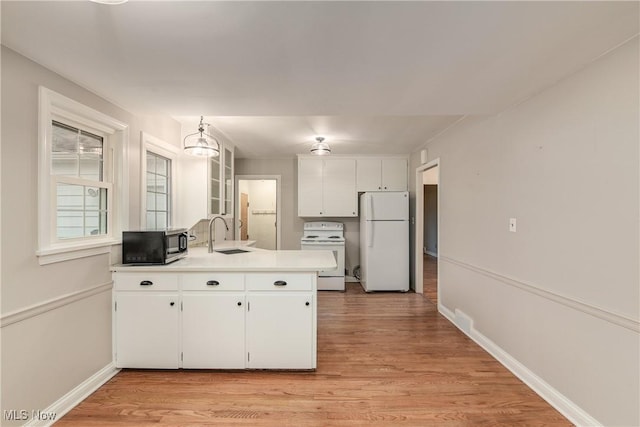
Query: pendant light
x=320 y=148
x=200 y=143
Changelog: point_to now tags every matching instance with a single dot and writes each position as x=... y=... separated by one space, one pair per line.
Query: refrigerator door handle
x=369 y=206
x=370 y=234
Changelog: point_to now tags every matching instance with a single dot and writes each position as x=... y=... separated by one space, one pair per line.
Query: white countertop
x=255 y=259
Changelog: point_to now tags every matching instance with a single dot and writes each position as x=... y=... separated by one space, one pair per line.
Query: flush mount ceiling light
x=320 y=148
x=200 y=143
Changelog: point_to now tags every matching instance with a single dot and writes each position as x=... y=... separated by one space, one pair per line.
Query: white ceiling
x=378 y=77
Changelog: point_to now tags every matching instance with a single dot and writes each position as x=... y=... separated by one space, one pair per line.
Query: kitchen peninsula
x=254 y=309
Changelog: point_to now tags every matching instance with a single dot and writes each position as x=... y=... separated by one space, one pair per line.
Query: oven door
x=338 y=254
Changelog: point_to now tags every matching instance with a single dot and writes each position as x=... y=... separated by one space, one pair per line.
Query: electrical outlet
x=512 y=225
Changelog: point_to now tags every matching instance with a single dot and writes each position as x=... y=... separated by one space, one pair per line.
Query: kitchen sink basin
x=231 y=251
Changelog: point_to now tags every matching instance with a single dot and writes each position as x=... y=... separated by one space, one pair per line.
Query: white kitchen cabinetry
x=213 y=330
x=220 y=189
x=382 y=174
x=147 y=319
x=327 y=187
x=281 y=321
x=211 y=320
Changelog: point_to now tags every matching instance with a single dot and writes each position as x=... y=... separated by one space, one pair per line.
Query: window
x=82 y=203
x=158 y=191
x=159 y=160
x=81 y=170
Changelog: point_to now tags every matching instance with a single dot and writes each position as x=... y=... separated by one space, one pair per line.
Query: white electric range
x=328 y=236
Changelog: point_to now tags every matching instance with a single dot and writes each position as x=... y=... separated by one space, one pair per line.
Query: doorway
x=258 y=207
x=427 y=230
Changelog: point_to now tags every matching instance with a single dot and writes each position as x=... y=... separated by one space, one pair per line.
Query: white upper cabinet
x=220 y=192
x=382 y=174
x=327 y=187
x=310 y=186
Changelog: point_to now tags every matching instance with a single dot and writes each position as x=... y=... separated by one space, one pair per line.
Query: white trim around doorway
x=419 y=240
x=278 y=179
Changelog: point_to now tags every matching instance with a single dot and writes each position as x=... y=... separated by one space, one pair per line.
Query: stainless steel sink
x=231 y=251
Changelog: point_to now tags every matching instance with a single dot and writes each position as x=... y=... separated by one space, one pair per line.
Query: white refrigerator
x=384 y=241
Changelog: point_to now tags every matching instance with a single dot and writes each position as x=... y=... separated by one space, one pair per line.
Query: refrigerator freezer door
x=385 y=266
x=387 y=206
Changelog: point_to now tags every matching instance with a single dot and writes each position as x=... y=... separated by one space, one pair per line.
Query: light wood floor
x=430 y=278
x=384 y=359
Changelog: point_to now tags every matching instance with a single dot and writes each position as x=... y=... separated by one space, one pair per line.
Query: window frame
x=54 y=106
x=150 y=143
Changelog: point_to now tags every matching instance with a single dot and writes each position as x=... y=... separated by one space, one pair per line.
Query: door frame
x=419 y=240
x=277 y=178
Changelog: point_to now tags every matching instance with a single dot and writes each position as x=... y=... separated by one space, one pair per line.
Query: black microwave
x=154 y=246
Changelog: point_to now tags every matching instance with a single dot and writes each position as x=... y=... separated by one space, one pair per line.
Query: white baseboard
x=433 y=254
x=349 y=279
x=75 y=396
x=565 y=406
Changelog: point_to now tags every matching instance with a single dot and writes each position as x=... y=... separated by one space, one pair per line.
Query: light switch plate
x=512 y=225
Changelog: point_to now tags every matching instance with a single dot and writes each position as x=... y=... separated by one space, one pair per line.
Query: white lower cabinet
x=147 y=330
x=213 y=321
x=213 y=330
x=278 y=331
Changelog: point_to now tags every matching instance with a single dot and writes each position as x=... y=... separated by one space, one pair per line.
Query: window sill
x=69 y=252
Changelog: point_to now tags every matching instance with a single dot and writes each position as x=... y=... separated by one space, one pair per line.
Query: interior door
x=244 y=217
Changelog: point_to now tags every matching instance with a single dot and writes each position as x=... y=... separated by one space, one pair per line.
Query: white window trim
x=164 y=149
x=51 y=250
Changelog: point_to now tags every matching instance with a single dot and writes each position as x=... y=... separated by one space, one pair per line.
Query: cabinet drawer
x=280 y=281
x=212 y=281
x=145 y=281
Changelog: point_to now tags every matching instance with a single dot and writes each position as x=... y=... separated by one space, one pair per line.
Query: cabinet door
x=340 y=197
x=228 y=182
x=368 y=176
x=215 y=186
x=220 y=190
x=310 y=187
x=394 y=174
x=280 y=331
x=213 y=330
x=147 y=330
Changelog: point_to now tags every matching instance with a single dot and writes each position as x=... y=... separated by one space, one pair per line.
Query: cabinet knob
x=280 y=283
x=146 y=283
x=212 y=283
x=239 y=303
x=172 y=303
x=379 y=188
x=385 y=188
x=306 y=303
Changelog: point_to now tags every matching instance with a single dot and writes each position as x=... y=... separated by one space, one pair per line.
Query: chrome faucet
x=212 y=237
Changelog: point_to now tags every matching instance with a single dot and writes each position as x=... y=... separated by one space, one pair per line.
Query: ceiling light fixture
x=320 y=148
x=200 y=143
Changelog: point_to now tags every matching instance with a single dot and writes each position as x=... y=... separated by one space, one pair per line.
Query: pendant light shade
x=200 y=143
x=320 y=148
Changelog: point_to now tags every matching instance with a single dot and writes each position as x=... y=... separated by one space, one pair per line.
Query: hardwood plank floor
x=384 y=359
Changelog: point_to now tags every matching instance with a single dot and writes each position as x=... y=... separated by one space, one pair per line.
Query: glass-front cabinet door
x=221 y=183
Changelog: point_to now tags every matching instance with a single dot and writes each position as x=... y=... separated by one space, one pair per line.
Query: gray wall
x=46 y=355
x=291 y=224
x=431 y=218
x=561 y=295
